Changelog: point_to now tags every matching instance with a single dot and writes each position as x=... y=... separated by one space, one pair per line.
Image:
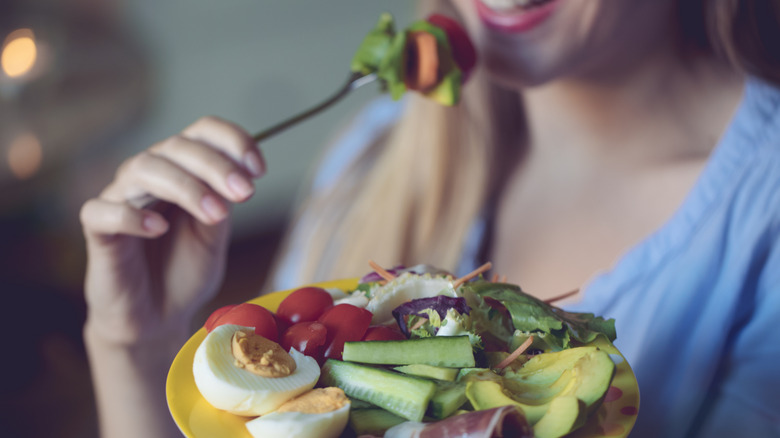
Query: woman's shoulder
x=756 y=124
x=746 y=163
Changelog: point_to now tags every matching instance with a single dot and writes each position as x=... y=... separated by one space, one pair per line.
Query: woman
x=630 y=149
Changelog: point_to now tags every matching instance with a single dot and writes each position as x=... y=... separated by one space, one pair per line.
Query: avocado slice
x=565 y=414
x=544 y=369
x=447 y=92
x=584 y=375
x=489 y=394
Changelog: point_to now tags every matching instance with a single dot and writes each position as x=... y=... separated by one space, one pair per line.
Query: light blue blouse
x=697 y=303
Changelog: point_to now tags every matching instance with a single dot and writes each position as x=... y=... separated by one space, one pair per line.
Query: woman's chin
x=518 y=76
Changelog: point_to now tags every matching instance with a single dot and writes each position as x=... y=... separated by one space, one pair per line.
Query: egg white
x=405 y=287
x=300 y=424
x=236 y=390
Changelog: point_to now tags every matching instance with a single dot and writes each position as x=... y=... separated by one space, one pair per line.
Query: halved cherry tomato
x=345 y=323
x=251 y=315
x=304 y=304
x=382 y=333
x=209 y=324
x=463 y=51
x=307 y=337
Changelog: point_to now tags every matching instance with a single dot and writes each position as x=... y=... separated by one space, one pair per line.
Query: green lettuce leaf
x=531 y=315
x=374 y=47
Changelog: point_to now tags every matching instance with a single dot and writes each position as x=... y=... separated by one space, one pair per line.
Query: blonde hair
x=411 y=197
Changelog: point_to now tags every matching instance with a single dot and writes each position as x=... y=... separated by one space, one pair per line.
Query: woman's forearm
x=129 y=383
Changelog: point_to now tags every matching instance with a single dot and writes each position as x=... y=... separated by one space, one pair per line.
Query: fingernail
x=253 y=164
x=239 y=185
x=154 y=224
x=213 y=208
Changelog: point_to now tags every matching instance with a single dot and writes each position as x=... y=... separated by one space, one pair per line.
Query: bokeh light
x=19 y=53
x=25 y=156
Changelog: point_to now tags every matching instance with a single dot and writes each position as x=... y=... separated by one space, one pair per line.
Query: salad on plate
x=409 y=352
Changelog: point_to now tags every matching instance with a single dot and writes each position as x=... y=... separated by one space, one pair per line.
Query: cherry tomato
x=463 y=51
x=251 y=315
x=306 y=337
x=304 y=304
x=382 y=333
x=209 y=324
x=345 y=323
x=281 y=325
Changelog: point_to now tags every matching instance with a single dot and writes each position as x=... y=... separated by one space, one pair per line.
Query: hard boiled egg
x=319 y=413
x=405 y=287
x=227 y=385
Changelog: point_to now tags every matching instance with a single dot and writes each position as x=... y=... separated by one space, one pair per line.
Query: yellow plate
x=198 y=419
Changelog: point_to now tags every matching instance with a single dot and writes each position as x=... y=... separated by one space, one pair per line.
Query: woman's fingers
x=209 y=164
x=230 y=139
x=103 y=217
x=151 y=174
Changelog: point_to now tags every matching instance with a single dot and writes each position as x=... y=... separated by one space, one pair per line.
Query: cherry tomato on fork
x=463 y=51
x=304 y=304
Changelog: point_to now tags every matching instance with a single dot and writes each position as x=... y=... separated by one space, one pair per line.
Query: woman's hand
x=157 y=235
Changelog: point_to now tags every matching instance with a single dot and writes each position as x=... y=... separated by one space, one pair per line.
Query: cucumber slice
x=449 y=397
x=360 y=404
x=373 y=422
x=403 y=395
x=440 y=351
x=429 y=371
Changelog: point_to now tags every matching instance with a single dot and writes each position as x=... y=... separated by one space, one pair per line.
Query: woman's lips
x=516 y=20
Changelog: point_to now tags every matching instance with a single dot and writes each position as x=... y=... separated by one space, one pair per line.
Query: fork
x=355 y=81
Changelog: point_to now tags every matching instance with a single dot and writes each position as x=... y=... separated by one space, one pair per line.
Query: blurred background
x=84 y=84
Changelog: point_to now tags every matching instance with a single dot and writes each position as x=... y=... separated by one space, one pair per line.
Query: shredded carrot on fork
x=381 y=271
x=457 y=283
x=515 y=354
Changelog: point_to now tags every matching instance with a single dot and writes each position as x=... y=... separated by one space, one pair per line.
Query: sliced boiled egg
x=319 y=413
x=406 y=287
x=236 y=373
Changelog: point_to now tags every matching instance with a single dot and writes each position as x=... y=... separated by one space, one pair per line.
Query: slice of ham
x=501 y=422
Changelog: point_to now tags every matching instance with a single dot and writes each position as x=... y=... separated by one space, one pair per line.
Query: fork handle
x=354 y=81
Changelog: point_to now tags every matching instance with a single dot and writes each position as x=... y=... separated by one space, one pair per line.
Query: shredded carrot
x=562 y=296
x=422 y=70
x=381 y=271
x=457 y=283
x=418 y=324
x=515 y=354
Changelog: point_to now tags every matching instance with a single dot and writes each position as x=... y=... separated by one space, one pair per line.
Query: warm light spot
x=25 y=156
x=19 y=53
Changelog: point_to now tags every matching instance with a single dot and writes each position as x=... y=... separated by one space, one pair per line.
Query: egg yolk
x=316 y=401
x=260 y=355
